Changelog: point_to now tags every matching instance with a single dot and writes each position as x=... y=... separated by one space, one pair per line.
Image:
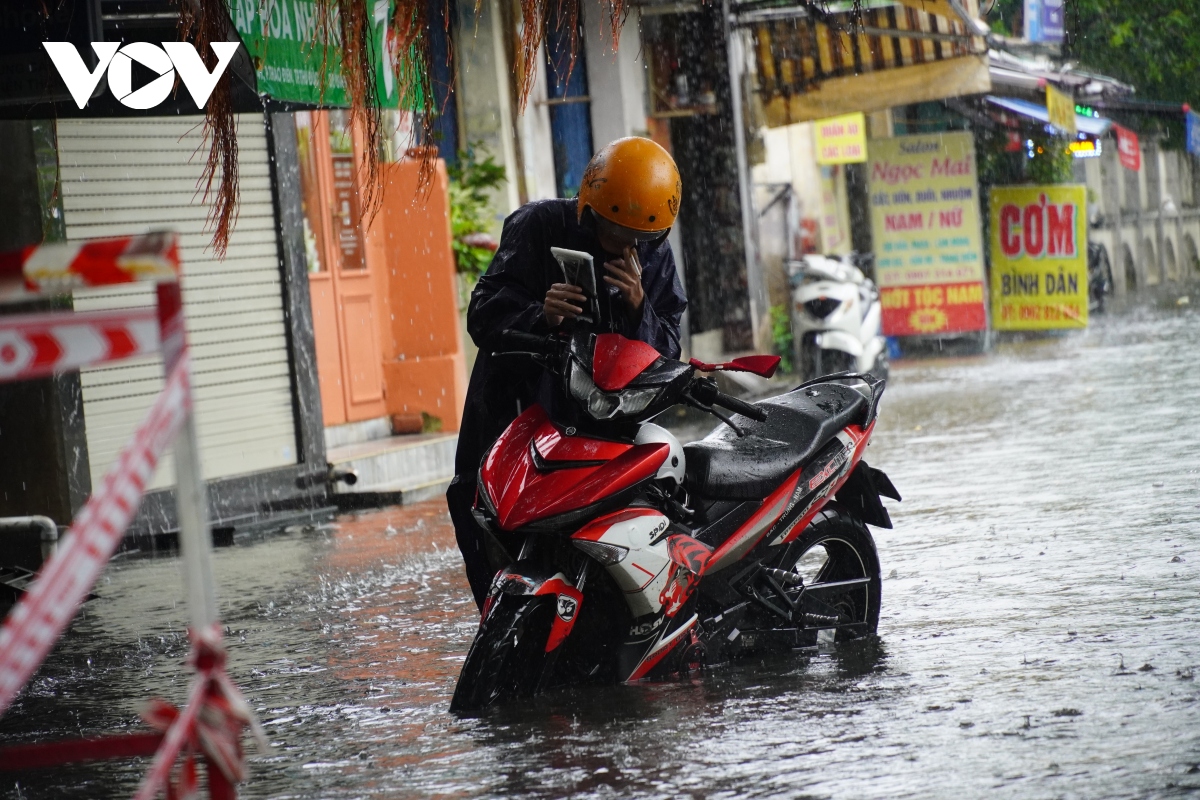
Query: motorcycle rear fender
x=528 y=580
x=861 y=494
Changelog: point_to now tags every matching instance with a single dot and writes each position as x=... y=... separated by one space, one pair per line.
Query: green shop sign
x=281 y=38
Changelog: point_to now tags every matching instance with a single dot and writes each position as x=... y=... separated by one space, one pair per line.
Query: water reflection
x=1039 y=633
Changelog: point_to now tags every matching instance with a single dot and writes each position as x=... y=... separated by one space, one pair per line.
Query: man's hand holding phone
x=563 y=301
x=626 y=274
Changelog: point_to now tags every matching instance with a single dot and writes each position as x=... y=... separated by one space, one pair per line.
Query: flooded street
x=1039 y=638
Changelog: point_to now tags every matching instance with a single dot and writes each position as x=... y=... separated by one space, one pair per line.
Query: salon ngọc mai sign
x=924 y=200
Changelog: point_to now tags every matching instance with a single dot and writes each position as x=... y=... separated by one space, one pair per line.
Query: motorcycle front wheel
x=508 y=656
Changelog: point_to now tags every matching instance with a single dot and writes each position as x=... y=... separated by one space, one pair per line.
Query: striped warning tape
x=65 y=266
x=37 y=345
x=39 y=618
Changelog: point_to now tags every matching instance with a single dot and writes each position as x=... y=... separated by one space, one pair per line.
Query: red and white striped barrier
x=40 y=617
x=37 y=345
x=34 y=345
x=209 y=725
x=62 y=267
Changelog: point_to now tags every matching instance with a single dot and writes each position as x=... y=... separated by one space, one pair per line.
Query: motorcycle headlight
x=635 y=401
x=581 y=384
x=606 y=405
x=602 y=405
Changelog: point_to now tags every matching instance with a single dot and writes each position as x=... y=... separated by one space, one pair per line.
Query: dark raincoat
x=510 y=295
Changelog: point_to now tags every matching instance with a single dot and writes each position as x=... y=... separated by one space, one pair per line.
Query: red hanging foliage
x=346 y=25
x=204 y=23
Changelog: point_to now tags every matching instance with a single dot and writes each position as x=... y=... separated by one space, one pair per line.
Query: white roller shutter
x=133 y=176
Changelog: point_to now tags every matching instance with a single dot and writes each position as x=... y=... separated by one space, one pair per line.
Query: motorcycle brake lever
x=727 y=420
x=694 y=403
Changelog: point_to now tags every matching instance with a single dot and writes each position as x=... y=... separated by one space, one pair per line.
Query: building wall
x=1148 y=221
x=485 y=94
x=616 y=75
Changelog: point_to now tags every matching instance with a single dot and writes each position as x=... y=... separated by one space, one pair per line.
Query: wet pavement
x=1039 y=638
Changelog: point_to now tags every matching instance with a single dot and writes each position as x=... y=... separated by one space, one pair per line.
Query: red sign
x=939 y=308
x=1038 y=229
x=1128 y=148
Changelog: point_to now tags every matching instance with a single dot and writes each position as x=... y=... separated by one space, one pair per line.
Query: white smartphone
x=579 y=270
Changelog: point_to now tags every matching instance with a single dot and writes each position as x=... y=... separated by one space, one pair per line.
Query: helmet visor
x=625 y=236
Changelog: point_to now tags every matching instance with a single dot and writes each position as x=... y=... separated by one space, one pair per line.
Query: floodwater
x=1040 y=633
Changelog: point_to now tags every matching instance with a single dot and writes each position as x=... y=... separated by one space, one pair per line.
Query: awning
x=1093 y=126
x=1011 y=72
x=810 y=68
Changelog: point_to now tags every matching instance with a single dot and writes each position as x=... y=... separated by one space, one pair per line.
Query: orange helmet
x=632 y=182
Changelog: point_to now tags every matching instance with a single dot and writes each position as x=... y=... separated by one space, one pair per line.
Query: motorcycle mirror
x=763 y=366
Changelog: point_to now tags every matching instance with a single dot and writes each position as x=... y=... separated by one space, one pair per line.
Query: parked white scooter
x=836 y=318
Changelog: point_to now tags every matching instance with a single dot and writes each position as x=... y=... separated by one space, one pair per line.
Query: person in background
x=627 y=203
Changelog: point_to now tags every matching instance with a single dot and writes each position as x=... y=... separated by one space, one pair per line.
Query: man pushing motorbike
x=627 y=203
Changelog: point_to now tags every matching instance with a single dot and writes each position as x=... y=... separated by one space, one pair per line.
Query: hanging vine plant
x=343 y=26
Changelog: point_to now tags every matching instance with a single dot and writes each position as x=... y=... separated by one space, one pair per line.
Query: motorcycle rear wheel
x=837 y=547
x=508 y=656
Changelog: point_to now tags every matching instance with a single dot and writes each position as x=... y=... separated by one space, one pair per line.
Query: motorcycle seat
x=725 y=466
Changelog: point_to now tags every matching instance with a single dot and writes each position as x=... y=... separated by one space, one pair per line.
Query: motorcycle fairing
x=752 y=531
x=521 y=494
x=554 y=447
x=658 y=574
x=820 y=481
x=790 y=508
x=618 y=360
x=671 y=637
x=642 y=572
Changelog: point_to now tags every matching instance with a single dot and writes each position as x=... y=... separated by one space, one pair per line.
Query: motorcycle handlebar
x=739 y=407
x=705 y=392
x=517 y=341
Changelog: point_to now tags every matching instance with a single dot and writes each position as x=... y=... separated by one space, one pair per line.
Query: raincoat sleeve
x=512 y=291
x=664 y=304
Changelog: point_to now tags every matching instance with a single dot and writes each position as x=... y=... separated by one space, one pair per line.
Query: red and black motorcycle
x=622 y=555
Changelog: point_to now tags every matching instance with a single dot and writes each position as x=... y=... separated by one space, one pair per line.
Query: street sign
x=1061 y=108
x=1193 y=132
x=924 y=197
x=1039 y=257
x=1128 y=148
x=1044 y=21
x=290 y=65
x=842 y=140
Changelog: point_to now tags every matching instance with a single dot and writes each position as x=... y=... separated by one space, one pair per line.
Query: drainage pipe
x=45 y=525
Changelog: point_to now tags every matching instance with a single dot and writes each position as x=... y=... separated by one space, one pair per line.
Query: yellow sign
x=842 y=140
x=925 y=224
x=1039 y=257
x=1061 y=107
